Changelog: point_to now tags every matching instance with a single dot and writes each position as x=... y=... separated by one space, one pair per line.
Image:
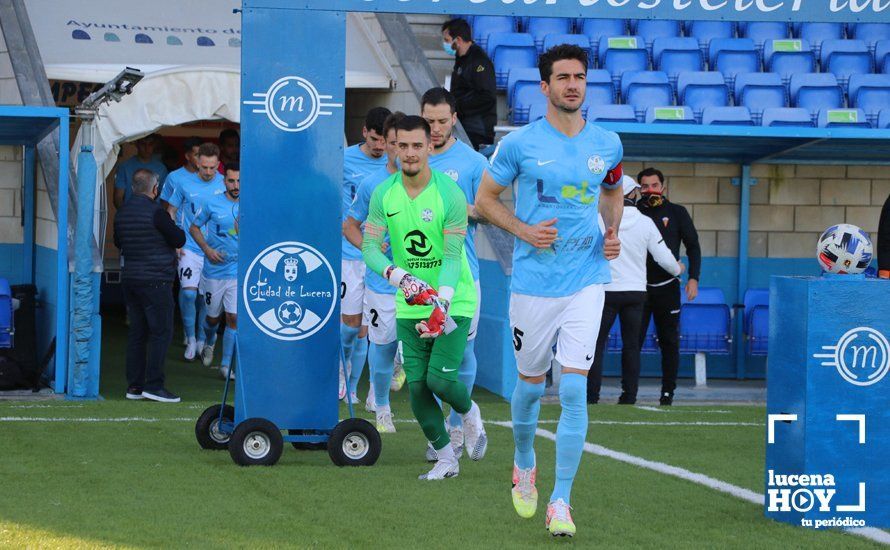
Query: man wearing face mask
x=147 y=238
x=663 y=288
x=472 y=83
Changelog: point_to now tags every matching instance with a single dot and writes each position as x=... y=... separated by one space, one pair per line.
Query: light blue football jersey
x=359 y=211
x=174 y=182
x=465 y=166
x=188 y=198
x=356 y=167
x=124 y=177
x=218 y=217
x=558 y=177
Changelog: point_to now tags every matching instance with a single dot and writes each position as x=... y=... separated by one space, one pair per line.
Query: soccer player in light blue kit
x=566 y=171
x=218 y=218
x=379 y=304
x=143 y=159
x=359 y=161
x=187 y=172
x=465 y=166
x=184 y=204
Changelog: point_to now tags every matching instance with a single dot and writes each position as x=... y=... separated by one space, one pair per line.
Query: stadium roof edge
x=749 y=145
x=840 y=11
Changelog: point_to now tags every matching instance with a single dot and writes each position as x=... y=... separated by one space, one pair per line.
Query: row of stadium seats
x=730 y=56
x=651 y=29
x=817 y=98
x=706 y=325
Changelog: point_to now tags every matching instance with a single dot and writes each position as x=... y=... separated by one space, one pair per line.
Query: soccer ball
x=290 y=313
x=844 y=248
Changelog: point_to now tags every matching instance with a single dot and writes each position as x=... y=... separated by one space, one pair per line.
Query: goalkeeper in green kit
x=425 y=214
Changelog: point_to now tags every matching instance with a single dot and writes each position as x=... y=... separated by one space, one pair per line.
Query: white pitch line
x=648 y=408
x=870 y=533
x=622 y=423
x=89 y=419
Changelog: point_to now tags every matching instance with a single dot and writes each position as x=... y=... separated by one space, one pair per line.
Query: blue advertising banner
x=289 y=257
x=828 y=424
x=871 y=11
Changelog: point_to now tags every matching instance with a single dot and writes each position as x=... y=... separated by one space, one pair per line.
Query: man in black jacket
x=472 y=83
x=884 y=242
x=147 y=238
x=662 y=288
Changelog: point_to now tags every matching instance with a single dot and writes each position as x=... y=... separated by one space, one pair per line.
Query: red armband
x=613 y=177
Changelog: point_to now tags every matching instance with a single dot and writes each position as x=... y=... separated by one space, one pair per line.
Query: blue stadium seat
x=594 y=29
x=484 y=25
x=614 y=342
x=844 y=58
x=787 y=57
x=508 y=51
x=786 y=116
x=727 y=116
x=537 y=110
x=758 y=331
x=759 y=91
x=622 y=53
x=600 y=90
x=644 y=89
x=555 y=39
x=869 y=92
x=816 y=91
x=705 y=31
x=523 y=76
x=753 y=297
x=669 y=115
x=706 y=295
x=611 y=113
x=882 y=56
x=6 y=317
x=676 y=55
x=833 y=118
x=702 y=89
x=761 y=31
x=733 y=56
x=524 y=98
x=705 y=328
x=870 y=33
x=883 y=119
x=816 y=33
x=653 y=29
x=540 y=27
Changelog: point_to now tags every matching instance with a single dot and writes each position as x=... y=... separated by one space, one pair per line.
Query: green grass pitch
x=139 y=484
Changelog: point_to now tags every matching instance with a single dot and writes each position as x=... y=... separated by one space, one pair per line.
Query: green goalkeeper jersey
x=427 y=238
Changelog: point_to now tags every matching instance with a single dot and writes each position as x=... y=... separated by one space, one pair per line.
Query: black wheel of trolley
x=256 y=442
x=354 y=442
x=208 y=431
x=300 y=446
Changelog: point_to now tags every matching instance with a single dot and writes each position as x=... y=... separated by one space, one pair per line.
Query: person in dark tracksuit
x=147 y=238
x=626 y=294
x=472 y=83
x=884 y=241
x=662 y=288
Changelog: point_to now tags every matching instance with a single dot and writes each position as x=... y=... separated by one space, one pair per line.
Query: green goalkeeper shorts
x=442 y=355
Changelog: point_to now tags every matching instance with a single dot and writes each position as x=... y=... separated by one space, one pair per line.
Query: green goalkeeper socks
x=428 y=414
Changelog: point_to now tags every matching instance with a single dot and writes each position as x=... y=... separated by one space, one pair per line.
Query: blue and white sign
x=861 y=356
x=290 y=291
x=292 y=104
x=871 y=11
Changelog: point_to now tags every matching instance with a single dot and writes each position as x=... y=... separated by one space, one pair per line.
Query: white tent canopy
x=92 y=40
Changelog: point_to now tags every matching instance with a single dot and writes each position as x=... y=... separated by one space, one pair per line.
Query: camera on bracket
x=115 y=89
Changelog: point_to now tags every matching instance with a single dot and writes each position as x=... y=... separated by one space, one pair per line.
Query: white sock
x=382 y=409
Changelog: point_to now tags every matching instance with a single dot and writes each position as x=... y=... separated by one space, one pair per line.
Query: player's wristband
x=446 y=293
x=394 y=275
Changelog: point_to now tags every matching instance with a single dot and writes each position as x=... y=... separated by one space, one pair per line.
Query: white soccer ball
x=844 y=248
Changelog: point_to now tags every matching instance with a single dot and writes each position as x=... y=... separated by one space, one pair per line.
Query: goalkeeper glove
x=417 y=292
x=438 y=323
